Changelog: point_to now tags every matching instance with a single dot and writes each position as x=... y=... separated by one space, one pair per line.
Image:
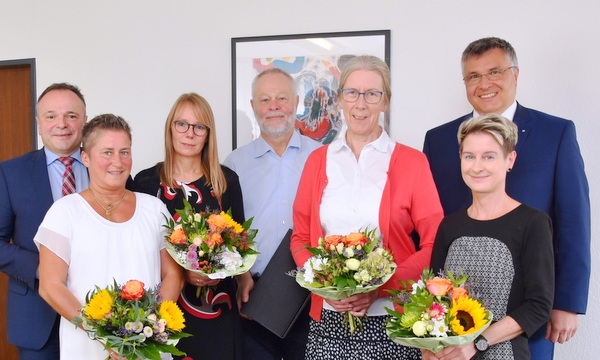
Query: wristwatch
x=481 y=343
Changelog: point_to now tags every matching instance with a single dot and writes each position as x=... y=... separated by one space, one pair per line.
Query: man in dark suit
x=29 y=184
x=548 y=175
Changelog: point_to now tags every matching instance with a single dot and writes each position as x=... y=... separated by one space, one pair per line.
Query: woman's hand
x=113 y=355
x=199 y=280
x=428 y=355
x=462 y=352
x=357 y=304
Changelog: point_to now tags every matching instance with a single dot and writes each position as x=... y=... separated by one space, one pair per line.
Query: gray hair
x=274 y=71
x=481 y=46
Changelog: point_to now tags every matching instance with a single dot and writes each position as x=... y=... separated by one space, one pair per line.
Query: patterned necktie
x=68 y=179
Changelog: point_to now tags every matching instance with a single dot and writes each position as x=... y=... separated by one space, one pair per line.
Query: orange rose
x=178 y=236
x=217 y=222
x=332 y=240
x=438 y=286
x=214 y=239
x=355 y=238
x=133 y=290
x=458 y=292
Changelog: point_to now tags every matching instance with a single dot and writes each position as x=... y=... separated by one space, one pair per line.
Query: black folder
x=277 y=300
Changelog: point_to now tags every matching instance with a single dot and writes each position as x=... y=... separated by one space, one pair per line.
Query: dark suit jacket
x=548 y=175
x=25 y=197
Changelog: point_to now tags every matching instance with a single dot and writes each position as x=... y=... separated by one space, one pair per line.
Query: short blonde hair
x=100 y=123
x=504 y=131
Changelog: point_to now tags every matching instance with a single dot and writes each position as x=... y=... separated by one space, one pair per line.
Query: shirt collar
x=262 y=146
x=380 y=144
x=509 y=113
x=51 y=157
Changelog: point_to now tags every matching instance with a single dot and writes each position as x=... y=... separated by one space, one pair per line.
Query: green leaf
x=149 y=352
x=169 y=348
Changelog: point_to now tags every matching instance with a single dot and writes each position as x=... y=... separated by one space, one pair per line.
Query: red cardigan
x=409 y=202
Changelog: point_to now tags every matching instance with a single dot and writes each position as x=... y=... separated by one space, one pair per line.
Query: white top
x=352 y=196
x=97 y=250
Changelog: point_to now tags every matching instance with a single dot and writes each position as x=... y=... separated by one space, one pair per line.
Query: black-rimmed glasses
x=183 y=127
x=371 y=96
x=493 y=75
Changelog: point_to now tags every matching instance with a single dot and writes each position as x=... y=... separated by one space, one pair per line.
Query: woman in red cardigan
x=364 y=179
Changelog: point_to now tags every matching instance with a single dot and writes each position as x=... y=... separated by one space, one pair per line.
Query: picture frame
x=315 y=62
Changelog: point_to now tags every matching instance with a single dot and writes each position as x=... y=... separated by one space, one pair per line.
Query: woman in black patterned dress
x=504 y=246
x=192 y=171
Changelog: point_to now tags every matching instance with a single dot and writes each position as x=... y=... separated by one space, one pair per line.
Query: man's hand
x=562 y=326
x=245 y=285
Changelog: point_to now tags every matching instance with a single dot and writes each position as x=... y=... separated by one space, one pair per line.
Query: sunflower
x=468 y=315
x=237 y=228
x=100 y=305
x=169 y=311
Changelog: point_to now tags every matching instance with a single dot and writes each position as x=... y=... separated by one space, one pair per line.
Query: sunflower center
x=465 y=319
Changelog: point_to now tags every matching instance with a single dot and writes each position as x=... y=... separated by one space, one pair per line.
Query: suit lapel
x=40 y=179
x=523 y=122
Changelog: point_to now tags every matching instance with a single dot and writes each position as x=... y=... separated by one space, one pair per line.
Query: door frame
x=30 y=62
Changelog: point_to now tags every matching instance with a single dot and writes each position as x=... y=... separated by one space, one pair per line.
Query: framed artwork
x=315 y=62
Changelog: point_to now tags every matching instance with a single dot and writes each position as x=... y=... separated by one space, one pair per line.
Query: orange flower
x=214 y=240
x=217 y=222
x=355 y=238
x=458 y=292
x=438 y=286
x=333 y=240
x=133 y=290
x=178 y=236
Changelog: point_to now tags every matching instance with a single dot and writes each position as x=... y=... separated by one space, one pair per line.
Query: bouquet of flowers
x=132 y=321
x=212 y=244
x=342 y=266
x=438 y=311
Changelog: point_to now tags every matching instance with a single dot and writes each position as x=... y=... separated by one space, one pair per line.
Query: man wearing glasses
x=548 y=175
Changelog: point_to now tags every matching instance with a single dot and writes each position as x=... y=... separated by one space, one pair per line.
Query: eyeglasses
x=493 y=75
x=371 y=96
x=183 y=127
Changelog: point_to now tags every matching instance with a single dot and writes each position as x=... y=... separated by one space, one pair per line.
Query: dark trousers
x=261 y=344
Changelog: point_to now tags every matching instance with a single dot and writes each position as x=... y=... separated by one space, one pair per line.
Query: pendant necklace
x=109 y=206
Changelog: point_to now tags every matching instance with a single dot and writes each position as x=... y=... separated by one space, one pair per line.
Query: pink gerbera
x=437 y=311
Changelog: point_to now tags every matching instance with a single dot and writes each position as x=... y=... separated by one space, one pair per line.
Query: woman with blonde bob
x=191 y=170
x=504 y=246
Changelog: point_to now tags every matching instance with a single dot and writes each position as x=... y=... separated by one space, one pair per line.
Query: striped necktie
x=68 y=179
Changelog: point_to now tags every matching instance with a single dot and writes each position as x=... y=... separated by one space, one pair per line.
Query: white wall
x=134 y=58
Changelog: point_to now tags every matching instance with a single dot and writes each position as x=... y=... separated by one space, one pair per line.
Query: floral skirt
x=330 y=339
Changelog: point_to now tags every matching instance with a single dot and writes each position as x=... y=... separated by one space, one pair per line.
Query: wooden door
x=17 y=136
